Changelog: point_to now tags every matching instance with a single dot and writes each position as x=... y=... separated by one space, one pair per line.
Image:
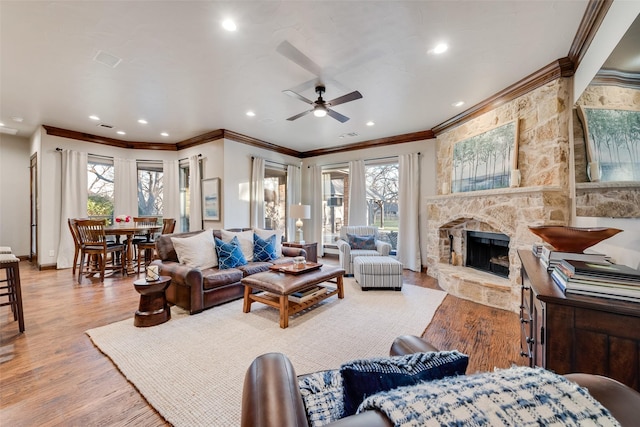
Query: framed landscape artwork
x=612 y=139
x=211 y=199
x=485 y=161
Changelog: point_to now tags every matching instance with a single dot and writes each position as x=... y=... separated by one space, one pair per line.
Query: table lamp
x=301 y=212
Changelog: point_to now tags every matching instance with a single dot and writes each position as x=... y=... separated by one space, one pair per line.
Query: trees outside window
x=100 y=200
x=149 y=188
x=382 y=199
x=275 y=200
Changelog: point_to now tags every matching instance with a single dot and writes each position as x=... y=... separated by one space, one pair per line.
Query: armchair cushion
x=229 y=254
x=197 y=251
x=362 y=242
x=322 y=396
x=365 y=377
x=264 y=250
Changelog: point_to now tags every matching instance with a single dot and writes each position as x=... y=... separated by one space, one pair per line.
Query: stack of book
x=307 y=294
x=551 y=258
x=598 y=279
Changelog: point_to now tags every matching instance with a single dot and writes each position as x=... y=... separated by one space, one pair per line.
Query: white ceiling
x=186 y=75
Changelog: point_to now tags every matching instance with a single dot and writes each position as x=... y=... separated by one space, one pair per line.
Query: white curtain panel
x=357 y=193
x=256 y=197
x=315 y=200
x=125 y=187
x=408 y=249
x=294 y=182
x=171 y=189
x=195 y=194
x=73 y=202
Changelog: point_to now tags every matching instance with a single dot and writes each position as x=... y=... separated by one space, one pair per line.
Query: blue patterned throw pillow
x=229 y=254
x=322 y=396
x=362 y=242
x=365 y=377
x=264 y=250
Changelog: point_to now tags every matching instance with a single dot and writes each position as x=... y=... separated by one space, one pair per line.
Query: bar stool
x=10 y=264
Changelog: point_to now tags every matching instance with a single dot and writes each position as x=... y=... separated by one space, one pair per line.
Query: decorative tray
x=291 y=269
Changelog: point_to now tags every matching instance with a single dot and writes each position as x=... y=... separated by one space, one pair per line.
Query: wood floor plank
x=53 y=375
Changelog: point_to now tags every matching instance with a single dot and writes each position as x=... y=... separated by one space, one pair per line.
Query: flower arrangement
x=123 y=218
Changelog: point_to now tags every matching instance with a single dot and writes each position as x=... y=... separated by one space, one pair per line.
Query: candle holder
x=152 y=273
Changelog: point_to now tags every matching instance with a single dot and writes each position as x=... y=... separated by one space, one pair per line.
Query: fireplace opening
x=488 y=252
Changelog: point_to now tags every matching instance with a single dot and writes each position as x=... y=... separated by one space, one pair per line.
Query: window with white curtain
x=149 y=188
x=382 y=197
x=100 y=187
x=183 y=176
x=275 y=199
x=335 y=202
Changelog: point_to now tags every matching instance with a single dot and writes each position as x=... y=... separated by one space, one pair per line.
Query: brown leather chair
x=148 y=247
x=271 y=396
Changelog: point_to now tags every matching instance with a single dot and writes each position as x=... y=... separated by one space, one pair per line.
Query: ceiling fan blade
x=298 y=96
x=345 y=98
x=288 y=50
x=297 y=116
x=339 y=117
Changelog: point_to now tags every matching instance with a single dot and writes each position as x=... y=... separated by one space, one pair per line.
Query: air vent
x=348 y=135
x=105 y=125
x=107 y=59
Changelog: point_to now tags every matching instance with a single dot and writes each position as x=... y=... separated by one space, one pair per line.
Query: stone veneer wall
x=603 y=199
x=543 y=196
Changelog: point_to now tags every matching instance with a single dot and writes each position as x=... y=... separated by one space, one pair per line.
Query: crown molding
x=589 y=26
x=82 y=136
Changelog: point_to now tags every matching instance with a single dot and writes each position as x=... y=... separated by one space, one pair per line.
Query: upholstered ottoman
x=378 y=272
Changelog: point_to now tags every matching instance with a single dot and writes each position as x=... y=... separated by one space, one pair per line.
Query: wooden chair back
x=91 y=232
x=168 y=225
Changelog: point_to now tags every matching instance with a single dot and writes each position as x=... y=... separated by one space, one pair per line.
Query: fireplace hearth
x=488 y=252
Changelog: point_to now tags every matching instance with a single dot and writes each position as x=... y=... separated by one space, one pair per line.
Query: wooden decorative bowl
x=572 y=239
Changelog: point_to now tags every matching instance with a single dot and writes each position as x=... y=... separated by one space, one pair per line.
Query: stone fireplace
x=487 y=252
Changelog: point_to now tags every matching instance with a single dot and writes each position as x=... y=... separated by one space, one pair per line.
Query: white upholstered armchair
x=347 y=254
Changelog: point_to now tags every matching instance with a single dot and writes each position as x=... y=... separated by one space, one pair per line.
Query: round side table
x=153 y=309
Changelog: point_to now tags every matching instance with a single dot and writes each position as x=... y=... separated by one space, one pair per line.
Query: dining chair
x=76 y=242
x=93 y=242
x=148 y=248
x=12 y=290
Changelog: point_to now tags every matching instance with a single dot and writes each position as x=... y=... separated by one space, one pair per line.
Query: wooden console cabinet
x=310 y=248
x=574 y=333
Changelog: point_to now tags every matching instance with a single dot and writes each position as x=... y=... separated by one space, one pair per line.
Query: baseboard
x=47 y=267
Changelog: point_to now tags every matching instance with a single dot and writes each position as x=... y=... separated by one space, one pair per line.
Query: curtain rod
x=366 y=160
x=276 y=163
x=59 y=150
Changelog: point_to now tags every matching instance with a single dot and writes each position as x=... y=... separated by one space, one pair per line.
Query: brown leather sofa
x=271 y=397
x=196 y=290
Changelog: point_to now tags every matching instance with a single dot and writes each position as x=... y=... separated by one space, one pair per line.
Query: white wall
x=14 y=194
x=428 y=160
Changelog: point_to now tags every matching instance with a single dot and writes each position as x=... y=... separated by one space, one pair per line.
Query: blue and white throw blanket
x=518 y=396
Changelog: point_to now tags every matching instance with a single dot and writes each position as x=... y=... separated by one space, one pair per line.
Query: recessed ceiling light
x=458 y=104
x=251 y=114
x=229 y=25
x=164 y=134
x=94 y=117
x=121 y=132
x=370 y=123
x=142 y=121
x=440 y=48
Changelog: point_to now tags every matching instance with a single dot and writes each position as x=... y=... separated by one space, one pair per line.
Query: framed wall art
x=211 y=199
x=612 y=139
x=487 y=161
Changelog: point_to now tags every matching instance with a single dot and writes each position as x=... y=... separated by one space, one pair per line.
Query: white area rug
x=191 y=369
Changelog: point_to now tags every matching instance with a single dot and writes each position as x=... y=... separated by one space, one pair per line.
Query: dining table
x=130 y=229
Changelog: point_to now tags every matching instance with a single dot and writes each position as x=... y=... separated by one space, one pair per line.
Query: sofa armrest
x=343 y=247
x=409 y=344
x=271 y=396
x=293 y=252
x=180 y=274
x=383 y=247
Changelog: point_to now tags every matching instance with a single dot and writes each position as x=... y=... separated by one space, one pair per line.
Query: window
x=382 y=199
x=275 y=199
x=149 y=188
x=183 y=224
x=100 y=200
x=335 y=203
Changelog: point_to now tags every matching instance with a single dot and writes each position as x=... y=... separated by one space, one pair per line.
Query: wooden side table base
x=153 y=309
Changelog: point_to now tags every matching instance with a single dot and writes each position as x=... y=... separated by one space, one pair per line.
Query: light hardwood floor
x=53 y=375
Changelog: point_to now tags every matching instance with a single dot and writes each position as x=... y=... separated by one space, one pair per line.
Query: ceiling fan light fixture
x=320 y=111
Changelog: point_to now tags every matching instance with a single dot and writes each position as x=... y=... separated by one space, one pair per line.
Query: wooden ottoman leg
x=340 y=287
x=284 y=311
x=246 y=305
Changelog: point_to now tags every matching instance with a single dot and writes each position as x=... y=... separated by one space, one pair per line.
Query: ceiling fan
x=321 y=107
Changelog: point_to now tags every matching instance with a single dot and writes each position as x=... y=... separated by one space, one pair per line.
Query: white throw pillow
x=198 y=251
x=265 y=234
x=244 y=237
